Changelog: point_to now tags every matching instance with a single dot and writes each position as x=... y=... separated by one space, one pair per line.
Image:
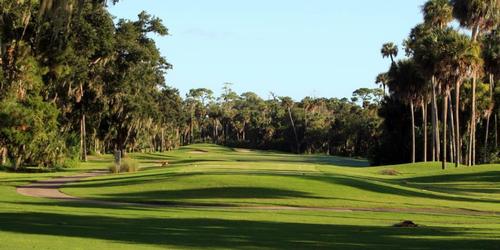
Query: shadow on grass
x=490 y=176
x=151 y=157
x=215 y=153
x=392 y=190
x=243 y=193
x=212 y=193
x=310 y=159
x=223 y=233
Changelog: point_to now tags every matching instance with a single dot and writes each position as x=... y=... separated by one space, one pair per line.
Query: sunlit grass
x=213 y=175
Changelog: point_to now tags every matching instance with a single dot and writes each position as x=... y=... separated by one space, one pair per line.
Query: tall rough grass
x=127 y=166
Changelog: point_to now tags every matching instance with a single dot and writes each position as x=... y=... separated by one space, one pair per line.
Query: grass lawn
x=456 y=208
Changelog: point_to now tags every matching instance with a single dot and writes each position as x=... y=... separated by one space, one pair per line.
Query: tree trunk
x=244 y=131
x=469 y=144
x=83 y=139
x=473 y=122
x=476 y=33
x=433 y=142
x=226 y=131
x=452 y=129
x=496 y=131
x=118 y=160
x=162 y=143
x=191 y=128
x=485 y=159
x=17 y=163
x=424 y=125
x=4 y=156
x=215 y=132
x=294 y=130
x=445 y=117
x=437 y=138
x=490 y=111
x=458 y=146
x=412 y=131
x=97 y=149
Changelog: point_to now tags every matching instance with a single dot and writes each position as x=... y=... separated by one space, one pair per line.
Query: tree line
x=452 y=73
x=312 y=125
x=75 y=82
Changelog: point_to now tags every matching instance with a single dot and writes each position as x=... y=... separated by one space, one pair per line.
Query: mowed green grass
x=212 y=175
x=456 y=208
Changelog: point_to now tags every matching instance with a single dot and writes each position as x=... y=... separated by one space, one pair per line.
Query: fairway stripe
x=50 y=189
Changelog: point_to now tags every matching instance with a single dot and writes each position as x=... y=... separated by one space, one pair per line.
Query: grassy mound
x=457 y=208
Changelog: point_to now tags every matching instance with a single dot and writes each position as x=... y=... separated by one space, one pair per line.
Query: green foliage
x=29 y=129
x=71 y=163
x=74 y=81
x=437 y=13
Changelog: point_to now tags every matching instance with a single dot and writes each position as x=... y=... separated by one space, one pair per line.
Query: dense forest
x=74 y=82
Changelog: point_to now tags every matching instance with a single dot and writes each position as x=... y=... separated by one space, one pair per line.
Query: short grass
x=457 y=208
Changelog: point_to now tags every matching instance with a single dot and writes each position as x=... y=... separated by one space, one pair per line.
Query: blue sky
x=297 y=48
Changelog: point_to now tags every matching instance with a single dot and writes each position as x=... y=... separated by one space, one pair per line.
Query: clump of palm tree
x=406 y=83
x=479 y=16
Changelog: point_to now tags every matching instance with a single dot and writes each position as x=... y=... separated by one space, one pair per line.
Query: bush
x=113 y=169
x=128 y=166
x=71 y=163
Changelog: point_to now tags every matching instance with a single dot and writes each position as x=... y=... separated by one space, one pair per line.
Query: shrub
x=129 y=166
x=71 y=163
x=113 y=169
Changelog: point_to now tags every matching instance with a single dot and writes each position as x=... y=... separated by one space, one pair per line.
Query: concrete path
x=50 y=188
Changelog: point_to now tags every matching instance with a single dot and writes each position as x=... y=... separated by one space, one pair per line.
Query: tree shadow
x=151 y=157
x=177 y=196
x=392 y=190
x=312 y=159
x=485 y=183
x=238 y=234
x=490 y=176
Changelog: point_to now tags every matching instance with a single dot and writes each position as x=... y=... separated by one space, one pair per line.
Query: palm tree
x=389 y=50
x=437 y=15
x=478 y=16
x=382 y=79
x=491 y=56
x=288 y=104
x=406 y=82
x=457 y=56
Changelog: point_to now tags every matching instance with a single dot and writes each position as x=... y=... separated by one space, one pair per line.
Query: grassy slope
x=210 y=175
x=243 y=178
